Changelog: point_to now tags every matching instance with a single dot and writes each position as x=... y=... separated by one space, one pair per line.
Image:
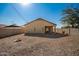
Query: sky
x=20 y=14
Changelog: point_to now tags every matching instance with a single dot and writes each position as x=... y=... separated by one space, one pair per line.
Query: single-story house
x=40 y=26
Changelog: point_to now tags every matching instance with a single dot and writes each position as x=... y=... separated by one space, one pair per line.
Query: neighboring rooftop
x=13 y=25
x=2 y=25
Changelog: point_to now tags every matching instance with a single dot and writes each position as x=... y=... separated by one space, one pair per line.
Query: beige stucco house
x=40 y=26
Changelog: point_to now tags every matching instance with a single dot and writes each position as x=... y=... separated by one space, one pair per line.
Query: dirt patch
x=40 y=46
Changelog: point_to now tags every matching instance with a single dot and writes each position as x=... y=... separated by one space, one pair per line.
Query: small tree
x=71 y=17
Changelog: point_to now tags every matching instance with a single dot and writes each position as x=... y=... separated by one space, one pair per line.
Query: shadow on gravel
x=50 y=35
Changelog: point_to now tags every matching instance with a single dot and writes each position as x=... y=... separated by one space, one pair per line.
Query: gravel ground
x=21 y=45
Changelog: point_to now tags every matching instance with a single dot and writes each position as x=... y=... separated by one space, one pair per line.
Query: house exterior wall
x=37 y=26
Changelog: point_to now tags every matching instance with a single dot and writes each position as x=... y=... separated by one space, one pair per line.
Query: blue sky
x=49 y=11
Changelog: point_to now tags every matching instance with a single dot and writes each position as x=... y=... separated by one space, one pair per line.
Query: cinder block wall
x=72 y=30
x=58 y=30
x=4 y=32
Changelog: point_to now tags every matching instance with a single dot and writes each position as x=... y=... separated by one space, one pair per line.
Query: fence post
x=69 y=31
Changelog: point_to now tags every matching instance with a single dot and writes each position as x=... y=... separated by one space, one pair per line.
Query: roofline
x=40 y=19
